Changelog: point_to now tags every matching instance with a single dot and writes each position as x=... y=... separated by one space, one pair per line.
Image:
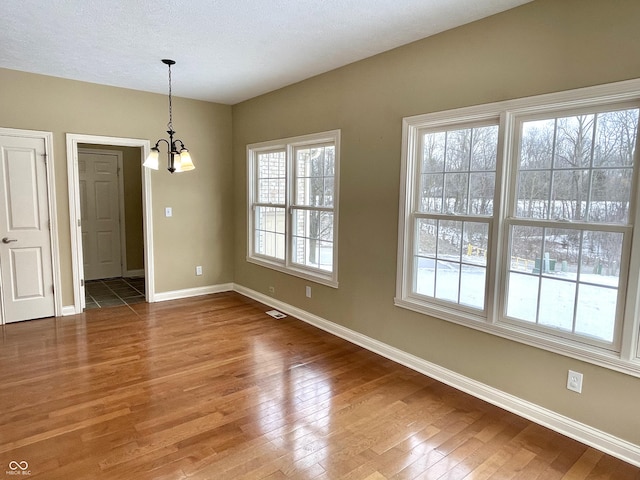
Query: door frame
x=73 y=139
x=53 y=216
x=121 y=213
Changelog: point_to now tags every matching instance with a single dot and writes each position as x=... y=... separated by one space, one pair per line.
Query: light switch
x=168 y=212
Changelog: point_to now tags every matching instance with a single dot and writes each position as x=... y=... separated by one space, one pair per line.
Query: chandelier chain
x=170 y=124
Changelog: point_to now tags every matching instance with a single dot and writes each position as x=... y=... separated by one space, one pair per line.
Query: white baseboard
x=581 y=432
x=68 y=310
x=192 y=292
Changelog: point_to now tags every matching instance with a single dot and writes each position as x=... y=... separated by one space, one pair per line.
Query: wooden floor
x=213 y=388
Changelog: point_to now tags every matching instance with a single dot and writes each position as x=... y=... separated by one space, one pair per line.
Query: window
x=570 y=217
x=293 y=200
x=517 y=218
x=453 y=214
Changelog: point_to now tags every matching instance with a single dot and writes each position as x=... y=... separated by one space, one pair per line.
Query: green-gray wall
x=199 y=231
x=544 y=46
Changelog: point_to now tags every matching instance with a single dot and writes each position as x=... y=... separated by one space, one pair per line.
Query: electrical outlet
x=574 y=381
x=308 y=291
x=199 y=270
x=272 y=290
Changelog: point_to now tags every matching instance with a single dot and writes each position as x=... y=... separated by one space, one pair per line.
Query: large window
x=452 y=217
x=518 y=218
x=293 y=202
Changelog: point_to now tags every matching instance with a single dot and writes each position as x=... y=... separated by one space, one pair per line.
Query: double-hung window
x=453 y=213
x=517 y=218
x=293 y=205
x=569 y=225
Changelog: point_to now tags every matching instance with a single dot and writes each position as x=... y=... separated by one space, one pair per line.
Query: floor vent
x=276 y=314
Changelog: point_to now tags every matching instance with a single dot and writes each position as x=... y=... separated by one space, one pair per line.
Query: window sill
x=586 y=353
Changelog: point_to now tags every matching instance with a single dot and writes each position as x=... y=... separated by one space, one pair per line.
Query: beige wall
x=132 y=195
x=544 y=46
x=201 y=199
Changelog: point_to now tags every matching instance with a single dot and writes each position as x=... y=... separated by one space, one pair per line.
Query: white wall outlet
x=199 y=270
x=272 y=290
x=308 y=291
x=574 y=381
x=168 y=211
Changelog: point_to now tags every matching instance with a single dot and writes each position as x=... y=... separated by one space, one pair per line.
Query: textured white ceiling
x=226 y=50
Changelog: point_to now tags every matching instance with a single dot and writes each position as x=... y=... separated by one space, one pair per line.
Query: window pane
x=536 y=145
x=616 y=138
x=526 y=245
x=433 y=152
x=449 y=240
x=574 y=137
x=431 y=188
x=522 y=300
x=475 y=243
x=481 y=190
x=533 y=194
x=569 y=194
x=328 y=191
x=314 y=176
x=596 y=312
x=557 y=299
x=447 y=280
x=458 y=150
x=485 y=149
x=472 y=286
x=269 y=231
x=610 y=194
x=601 y=258
x=455 y=192
x=425 y=276
x=426 y=234
x=561 y=253
x=271 y=182
x=312 y=241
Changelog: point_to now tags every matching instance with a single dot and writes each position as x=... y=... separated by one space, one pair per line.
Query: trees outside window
x=517 y=218
x=293 y=201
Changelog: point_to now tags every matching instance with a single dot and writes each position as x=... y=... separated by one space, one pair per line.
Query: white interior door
x=100 y=209
x=25 y=245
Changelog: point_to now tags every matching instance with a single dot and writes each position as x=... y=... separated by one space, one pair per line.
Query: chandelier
x=178 y=158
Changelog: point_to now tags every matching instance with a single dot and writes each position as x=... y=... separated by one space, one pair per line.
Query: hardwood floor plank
x=212 y=388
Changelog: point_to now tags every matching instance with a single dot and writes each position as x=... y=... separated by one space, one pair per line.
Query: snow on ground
x=551 y=298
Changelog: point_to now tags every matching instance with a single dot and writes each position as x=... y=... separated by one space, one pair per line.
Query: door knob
x=9 y=240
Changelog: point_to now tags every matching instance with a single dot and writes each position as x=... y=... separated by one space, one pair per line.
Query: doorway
x=102 y=204
x=79 y=150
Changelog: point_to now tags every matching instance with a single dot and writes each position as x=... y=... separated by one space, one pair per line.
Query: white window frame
x=289 y=147
x=624 y=353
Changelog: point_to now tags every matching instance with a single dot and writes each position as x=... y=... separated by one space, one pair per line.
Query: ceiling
x=226 y=50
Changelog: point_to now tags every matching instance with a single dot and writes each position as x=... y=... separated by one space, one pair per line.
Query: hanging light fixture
x=178 y=156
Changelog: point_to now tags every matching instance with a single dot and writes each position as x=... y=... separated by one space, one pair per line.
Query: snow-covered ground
x=550 y=298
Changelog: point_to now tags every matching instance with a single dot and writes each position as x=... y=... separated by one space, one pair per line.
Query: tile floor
x=111 y=292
